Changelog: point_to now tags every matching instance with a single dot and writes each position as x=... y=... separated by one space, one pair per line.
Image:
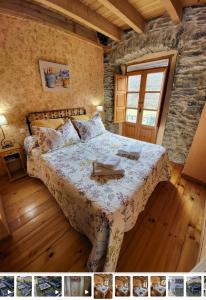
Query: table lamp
x=99 y=108
x=3 y=121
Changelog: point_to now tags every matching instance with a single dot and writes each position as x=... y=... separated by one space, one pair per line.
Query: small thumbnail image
x=140 y=286
x=77 y=286
x=158 y=286
x=24 y=286
x=193 y=286
x=103 y=286
x=48 y=286
x=122 y=286
x=204 y=286
x=176 y=286
x=6 y=286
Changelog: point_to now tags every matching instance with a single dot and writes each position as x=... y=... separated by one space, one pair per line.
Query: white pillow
x=89 y=129
x=30 y=142
x=50 y=139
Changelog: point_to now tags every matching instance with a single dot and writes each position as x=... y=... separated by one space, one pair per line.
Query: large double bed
x=101 y=208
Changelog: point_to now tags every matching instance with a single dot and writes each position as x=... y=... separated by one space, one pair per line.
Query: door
x=143 y=104
x=120 y=98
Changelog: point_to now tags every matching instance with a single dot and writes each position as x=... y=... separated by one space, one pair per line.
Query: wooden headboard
x=54 y=114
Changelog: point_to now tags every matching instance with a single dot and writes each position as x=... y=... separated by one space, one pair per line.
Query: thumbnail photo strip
x=48 y=286
x=24 y=286
x=77 y=286
x=103 y=286
x=6 y=286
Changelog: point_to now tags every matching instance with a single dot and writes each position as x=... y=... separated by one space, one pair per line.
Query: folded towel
x=101 y=171
x=109 y=162
x=131 y=151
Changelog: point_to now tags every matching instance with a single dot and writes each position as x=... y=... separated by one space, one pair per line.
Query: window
x=153 y=89
x=133 y=94
x=144 y=92
x=139 y=98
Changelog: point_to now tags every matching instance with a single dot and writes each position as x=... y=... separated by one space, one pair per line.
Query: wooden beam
x=23 y=10
x=174 y=9
x=125 y=11
x=82 y=14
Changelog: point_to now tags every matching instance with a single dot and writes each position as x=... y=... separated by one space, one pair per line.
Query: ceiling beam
x=174 y=9
x=23 y=10
x=126 y=12
x=82 y=14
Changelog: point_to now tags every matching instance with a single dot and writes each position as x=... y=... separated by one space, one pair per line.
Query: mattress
x=101 y=208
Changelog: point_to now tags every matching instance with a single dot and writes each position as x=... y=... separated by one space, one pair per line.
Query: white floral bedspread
x=106 y=208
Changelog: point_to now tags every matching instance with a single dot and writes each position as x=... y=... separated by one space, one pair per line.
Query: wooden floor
x=165 y=238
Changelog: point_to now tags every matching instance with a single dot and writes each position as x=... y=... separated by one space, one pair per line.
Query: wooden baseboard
x=193 y=179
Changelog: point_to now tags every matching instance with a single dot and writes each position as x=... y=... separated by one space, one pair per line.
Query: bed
x=122 y=291
x=140 y=292
x=159 y=290
x=103 y=209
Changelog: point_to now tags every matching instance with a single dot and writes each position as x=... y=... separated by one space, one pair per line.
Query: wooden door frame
x=138 y=126
x=172 y=55
x=161 y=102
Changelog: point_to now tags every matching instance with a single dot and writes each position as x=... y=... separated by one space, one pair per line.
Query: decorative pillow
x=50 y=139
x=30 y=142
x=49 y=123
x=69 y=134
x=90 y=129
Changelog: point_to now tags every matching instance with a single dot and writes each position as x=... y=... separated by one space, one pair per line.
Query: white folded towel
x=109 y=162
x=130 y=151
x=101 y=171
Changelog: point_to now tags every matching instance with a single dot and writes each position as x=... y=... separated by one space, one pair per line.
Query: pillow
x=68 y=133
x=81 y=117
x=90 y=129
x=49 y=123
x=50 y=139
x=30 y=142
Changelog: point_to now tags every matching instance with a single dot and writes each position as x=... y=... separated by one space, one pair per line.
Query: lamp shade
x=3 y=120
x=99 y=108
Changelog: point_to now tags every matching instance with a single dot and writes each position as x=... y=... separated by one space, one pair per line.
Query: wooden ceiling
x=83 y=18
x=149 y=9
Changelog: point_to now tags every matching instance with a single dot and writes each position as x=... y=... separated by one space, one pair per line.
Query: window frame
x=134 y=73
x=140 y=107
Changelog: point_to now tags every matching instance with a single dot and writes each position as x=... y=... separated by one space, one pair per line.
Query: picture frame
x=55 y=77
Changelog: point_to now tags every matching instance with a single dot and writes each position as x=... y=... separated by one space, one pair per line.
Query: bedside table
x=12 y=159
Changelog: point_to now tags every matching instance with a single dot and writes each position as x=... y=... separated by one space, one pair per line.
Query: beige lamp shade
x=99 y=108
x=3 y=120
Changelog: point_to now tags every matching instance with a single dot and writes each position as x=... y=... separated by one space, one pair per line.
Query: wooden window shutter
x=120 y=98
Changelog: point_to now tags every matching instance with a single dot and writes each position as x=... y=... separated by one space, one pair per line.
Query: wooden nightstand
x=12 y=159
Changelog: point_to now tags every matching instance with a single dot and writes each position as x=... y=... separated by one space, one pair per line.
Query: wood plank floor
x=165 y=238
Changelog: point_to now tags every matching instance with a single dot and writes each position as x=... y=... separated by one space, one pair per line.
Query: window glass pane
x=151 y=100
x=154 y=81
x=132 y=100
x=134 y=83
x=149 y=118
x=131 y=115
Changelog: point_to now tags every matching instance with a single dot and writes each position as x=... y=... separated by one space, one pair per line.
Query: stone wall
x=189 y=88
x=109 y=72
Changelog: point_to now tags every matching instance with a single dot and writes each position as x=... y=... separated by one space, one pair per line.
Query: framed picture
x=55 y=77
